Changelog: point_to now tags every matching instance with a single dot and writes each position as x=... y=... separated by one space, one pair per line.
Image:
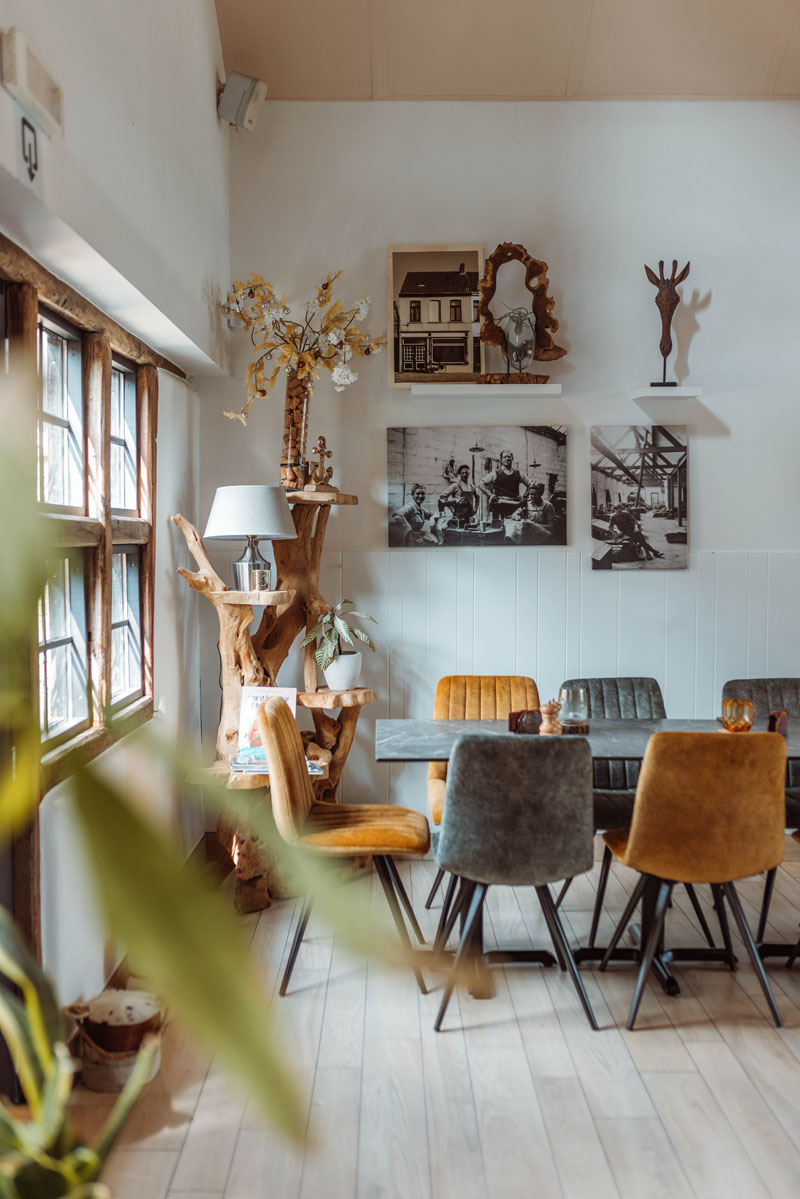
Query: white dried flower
x=342 y=375
x=363 y=307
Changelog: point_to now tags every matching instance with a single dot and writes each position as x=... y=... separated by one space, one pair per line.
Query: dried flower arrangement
x=327 y=336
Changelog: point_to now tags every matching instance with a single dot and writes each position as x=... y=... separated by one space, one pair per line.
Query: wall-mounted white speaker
x=241 y=100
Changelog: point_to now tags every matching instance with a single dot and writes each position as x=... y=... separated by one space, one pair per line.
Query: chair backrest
x=769 y=695
x=289 y=784
x=483 y=696
x=480 y=697
x=517 y=810
x=709 y=806
x=628 y=698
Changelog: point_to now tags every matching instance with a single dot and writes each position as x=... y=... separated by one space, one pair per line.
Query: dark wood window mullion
x=147 y=408
x=97 y=400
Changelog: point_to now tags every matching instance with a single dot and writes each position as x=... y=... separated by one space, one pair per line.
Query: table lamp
x=250 y=512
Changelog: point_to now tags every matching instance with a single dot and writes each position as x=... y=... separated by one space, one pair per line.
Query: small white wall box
x=30 y=83
x=241 y=100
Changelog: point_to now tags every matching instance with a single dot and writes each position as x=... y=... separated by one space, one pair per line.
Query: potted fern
x=332 y=633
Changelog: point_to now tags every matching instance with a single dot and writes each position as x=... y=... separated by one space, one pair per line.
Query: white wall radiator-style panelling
x=547 y=614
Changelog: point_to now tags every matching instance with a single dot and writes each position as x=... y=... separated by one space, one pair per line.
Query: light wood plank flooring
x=516 y=1098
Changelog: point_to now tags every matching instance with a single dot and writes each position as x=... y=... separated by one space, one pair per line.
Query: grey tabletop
x=432 y=740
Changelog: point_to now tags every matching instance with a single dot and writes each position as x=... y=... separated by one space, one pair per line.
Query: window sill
x=63 y=761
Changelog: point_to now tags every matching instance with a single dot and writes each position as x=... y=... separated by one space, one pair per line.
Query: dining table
x=415 y=739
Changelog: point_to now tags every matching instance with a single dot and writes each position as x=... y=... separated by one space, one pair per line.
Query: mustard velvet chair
x=336 y=830
x=709 y=808
x=629 y=697
x=769 y=695
x=796 y=950
x=472 y=697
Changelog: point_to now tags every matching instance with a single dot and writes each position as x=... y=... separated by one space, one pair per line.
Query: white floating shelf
x=667 y=393
x=518 y=391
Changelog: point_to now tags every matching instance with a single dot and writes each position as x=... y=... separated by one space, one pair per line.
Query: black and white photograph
x=432 y=317
x=639 y=497
x=503 y=485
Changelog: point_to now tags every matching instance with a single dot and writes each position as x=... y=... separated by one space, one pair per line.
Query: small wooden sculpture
x=551 y=725
x=536 y=281
x=319 y=476
x=667 y=300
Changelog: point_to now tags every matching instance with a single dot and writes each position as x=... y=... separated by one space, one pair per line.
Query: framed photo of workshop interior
x=639 y=497
x=432 y=314
x=499 y=485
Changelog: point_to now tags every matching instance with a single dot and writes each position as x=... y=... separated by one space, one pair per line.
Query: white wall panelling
x=545 y=613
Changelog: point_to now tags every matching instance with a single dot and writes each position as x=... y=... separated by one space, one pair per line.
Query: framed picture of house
x=432 y=314
x=477 y=487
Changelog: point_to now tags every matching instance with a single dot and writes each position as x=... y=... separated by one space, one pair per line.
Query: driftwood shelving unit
x=254 y=659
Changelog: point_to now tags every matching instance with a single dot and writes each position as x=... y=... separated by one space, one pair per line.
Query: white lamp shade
x=250 y=511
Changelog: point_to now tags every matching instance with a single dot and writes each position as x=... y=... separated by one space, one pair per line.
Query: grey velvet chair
x=517 y=812
x=768 y=695
x=627 y=698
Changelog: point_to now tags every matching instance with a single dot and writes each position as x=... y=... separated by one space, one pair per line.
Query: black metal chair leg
x=719 y=904
x=626 y=915
x=565 y=887
x=601 y=894
x=438 y=942
x=302 y=923
x=744 y=931
x=386 y=882
x=403 y=896
x=769 y=887
x=437 y=882
x=548 y=911
x=456 y=909
x=653 y=939
x=698 y=911
x=790 y=961
x=478 y=895
x=557 y=931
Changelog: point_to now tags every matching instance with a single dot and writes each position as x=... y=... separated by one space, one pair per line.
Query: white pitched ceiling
x=515 y=49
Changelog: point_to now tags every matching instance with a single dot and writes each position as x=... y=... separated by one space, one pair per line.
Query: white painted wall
x=596 y=189
x=134 y=211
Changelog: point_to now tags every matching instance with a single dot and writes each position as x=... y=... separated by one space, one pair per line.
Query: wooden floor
x=516 y=1098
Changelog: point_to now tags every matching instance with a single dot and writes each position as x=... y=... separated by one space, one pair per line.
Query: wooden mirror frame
x=545 y=349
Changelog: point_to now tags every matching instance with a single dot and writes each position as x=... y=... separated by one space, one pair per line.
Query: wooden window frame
x=30 y=288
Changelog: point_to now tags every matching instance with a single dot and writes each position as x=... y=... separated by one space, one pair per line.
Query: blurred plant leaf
x=20 y=966
x=113 y=1125
x=186 y=941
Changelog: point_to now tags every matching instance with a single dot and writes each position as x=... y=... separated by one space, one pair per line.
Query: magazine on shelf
x=249 y=748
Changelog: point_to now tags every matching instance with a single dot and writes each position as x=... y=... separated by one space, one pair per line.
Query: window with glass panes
x=60 y=482
x=96 y=446
x=126 y=625
x=124 y=464
x=63 y=660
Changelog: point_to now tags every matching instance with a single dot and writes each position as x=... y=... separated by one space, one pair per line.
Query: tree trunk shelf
x=254 y=660
x=325 y=698
x=261 y=599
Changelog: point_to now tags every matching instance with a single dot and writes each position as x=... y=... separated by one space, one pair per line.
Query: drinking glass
x=574 y=706
x=737 y=714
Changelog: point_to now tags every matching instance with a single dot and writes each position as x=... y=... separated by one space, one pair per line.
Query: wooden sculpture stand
x=254 y=660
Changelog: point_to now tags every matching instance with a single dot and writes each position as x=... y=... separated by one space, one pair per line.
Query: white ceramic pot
x=344 y=672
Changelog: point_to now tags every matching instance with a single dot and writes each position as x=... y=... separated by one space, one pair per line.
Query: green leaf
x=363 y=615
x=15 y=1031
x=186 y=940
x=343 y=629
x=362 y=636
x=47 y=1023
x=121 y=1110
